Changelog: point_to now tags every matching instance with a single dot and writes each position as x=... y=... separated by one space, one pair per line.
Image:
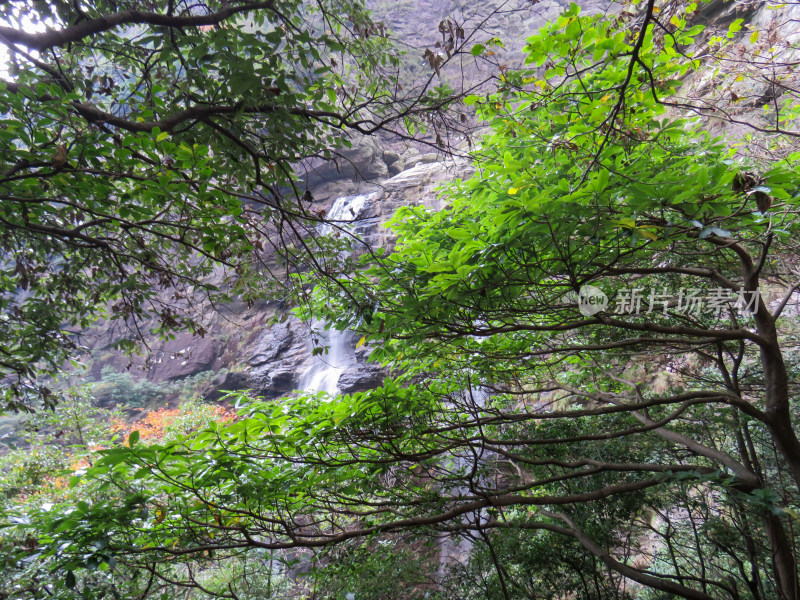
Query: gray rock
x=409 y=154
x=273 y=381
x=183 y=356
x=420 y=159
x=397 y=167
x=275 y=341
x=362 y=161
x=275 y=359
x=360 y=378
x=411 y=186
x=227 y=382
x=363 y=375
x=721 y=13
x=430 y=157
x=390 y=157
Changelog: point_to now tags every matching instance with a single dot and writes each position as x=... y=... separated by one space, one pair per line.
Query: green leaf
x=735 y=27
x=69 y=580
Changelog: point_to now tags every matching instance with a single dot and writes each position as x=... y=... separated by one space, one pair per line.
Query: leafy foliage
x=58 y=448
x=121 y=388
x=166 y=424
x=148 y=157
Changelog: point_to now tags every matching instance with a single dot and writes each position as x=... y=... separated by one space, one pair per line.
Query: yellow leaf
x=754 y=37
x=162 y=136
x=627 y=222
x=513 y=191
x=648 y=234
x=361 y=341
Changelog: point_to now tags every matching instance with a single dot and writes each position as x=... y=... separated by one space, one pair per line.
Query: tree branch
x=61 y=37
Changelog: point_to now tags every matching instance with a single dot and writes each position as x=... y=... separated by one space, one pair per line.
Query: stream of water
x=324 y=373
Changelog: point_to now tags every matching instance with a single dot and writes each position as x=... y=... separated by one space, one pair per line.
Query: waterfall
x=323 y=374
x=346 y=208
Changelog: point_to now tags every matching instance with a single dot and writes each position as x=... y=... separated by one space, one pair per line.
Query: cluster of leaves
x=377 y=569
x=121 y=388
x=166 y=424
x=48 y=444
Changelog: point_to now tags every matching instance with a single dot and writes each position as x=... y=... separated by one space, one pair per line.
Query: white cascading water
x=346 y=208
x=324 y=373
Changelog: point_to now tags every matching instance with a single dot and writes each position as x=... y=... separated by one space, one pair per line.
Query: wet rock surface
x=274 y=358
x=363 y=161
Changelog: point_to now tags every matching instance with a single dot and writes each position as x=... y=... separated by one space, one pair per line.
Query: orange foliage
x=155 y=424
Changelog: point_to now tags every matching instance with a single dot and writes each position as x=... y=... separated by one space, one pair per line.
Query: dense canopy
x=150 y=156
